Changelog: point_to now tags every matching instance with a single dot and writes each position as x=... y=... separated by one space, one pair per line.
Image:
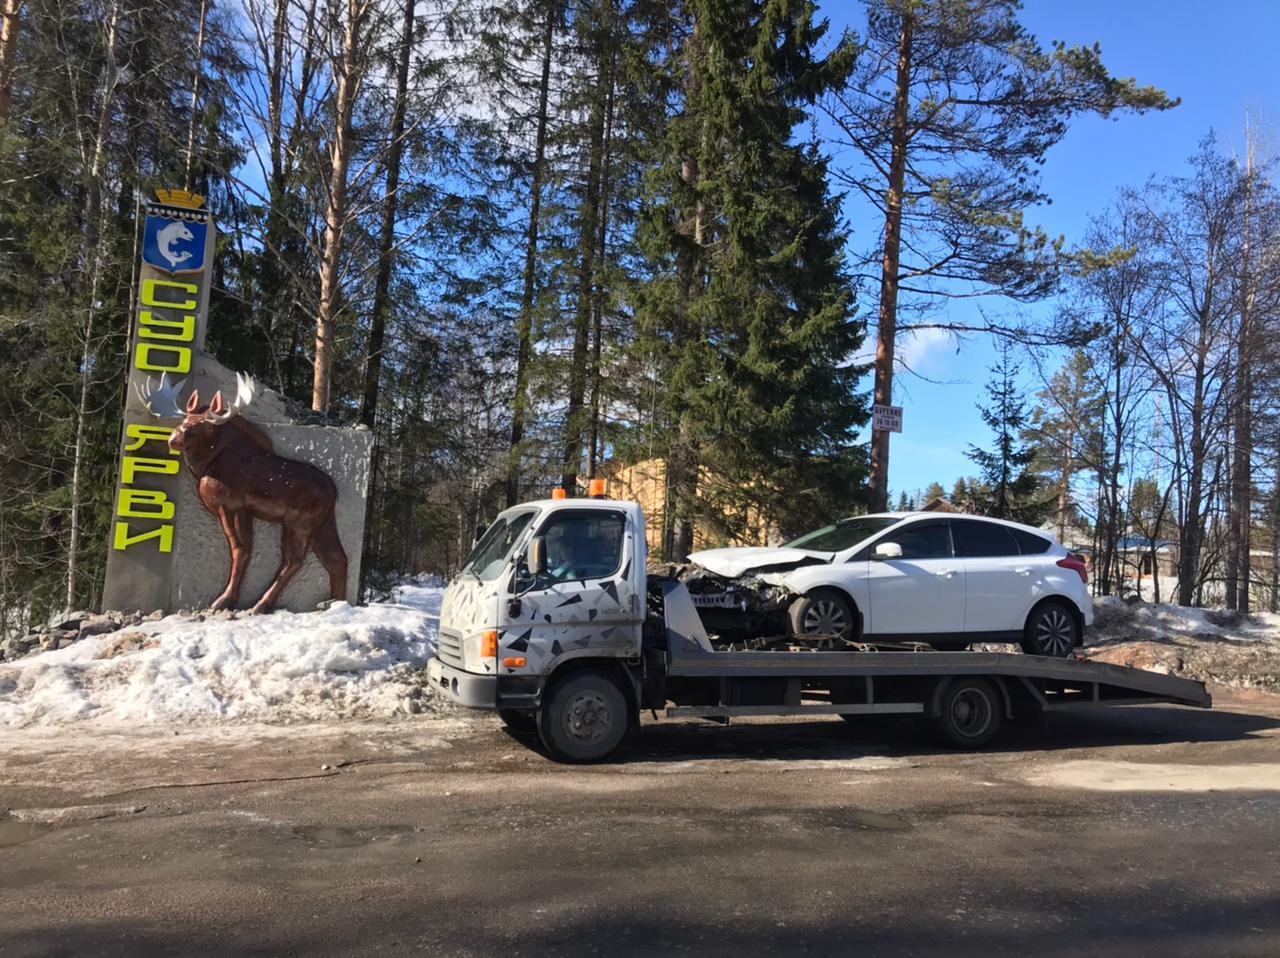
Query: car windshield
x=489 y=557
x=845 y=534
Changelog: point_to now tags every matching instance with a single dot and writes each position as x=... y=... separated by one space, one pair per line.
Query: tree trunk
x=349 y=68
x=588 y=222
x=387 y=236
x=599 y=293
x=524 y=323
x=94 y=253
x=197 y=71
x=887 y=319
x=10 y=20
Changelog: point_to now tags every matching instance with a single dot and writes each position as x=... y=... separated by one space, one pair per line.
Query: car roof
x=1009 y=523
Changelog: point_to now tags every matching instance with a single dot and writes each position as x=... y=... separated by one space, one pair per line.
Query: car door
x=586 y=600
x=998 y=579
x=921 y=593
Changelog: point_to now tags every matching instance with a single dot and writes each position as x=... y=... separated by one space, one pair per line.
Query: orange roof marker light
x=596 y=488
x=558 y=493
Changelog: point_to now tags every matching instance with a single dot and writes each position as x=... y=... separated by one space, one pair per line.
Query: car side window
x=923 y=540
x=1030 y=543
x=977 y=540
x=583 y=546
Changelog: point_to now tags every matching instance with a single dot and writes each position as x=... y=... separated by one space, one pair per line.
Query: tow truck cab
x=507 y=623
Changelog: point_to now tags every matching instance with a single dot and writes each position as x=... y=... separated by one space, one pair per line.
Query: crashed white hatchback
x=946 y=580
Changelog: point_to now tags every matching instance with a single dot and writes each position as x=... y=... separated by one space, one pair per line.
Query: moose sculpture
x=240 y=478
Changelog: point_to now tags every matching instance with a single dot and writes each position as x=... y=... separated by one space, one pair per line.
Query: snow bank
x=342 y=662
x=1116 y=619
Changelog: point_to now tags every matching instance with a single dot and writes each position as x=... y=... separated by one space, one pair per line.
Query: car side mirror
x=887 y=550
x=536 y=557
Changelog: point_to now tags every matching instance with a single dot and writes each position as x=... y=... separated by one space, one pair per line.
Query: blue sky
x=1220 y=58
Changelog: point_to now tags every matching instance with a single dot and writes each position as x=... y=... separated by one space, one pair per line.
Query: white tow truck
x=556 y=623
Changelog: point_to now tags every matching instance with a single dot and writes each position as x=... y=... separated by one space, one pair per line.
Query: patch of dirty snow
x=1107 y=776
x=346 y=661
x=1116 y=619
x=1212 y=645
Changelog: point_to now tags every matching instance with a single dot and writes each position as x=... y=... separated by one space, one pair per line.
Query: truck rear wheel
x=584 y=719
x=969 y=713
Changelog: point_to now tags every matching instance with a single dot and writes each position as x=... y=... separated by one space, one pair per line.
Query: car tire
x=970 y=712
x=1051 y=630
x=584 y=718
x=823 y=612
x=520 y=721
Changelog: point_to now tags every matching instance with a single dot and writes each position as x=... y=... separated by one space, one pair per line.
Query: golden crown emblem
x=182 y=198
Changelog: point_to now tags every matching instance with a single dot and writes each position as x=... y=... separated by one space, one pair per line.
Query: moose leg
x=293 y=550
x=238 y=528
x=328 y=549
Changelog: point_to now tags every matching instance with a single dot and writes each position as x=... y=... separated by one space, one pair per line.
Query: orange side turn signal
x=514 y=662
x=489 y=644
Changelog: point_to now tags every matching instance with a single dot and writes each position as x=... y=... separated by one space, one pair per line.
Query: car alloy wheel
x=825 y=617
x=1055 y=633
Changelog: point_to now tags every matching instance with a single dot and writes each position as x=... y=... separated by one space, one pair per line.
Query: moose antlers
x=219 y=411
x=163 y=402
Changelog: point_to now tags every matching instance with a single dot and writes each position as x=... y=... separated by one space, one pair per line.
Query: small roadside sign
x=886 y=418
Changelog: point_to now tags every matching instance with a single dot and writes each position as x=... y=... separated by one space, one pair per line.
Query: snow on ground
x=345 y=661
x=1115 y=619
x=1212 y=645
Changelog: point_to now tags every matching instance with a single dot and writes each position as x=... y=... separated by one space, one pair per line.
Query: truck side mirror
x=536 y=557
x=887 y=550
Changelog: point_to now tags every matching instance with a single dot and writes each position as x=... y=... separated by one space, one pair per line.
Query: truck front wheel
x=584 y=718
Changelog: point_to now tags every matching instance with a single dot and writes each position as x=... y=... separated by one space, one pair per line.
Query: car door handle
x=1023 y=571
x=945 y=573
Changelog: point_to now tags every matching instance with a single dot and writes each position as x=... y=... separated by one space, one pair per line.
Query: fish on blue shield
x=174 y=245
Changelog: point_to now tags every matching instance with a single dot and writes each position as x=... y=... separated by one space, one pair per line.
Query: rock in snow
x=345 y=661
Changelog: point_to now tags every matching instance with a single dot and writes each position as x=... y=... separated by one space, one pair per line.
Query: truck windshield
x=489 y=557
x=845 y=534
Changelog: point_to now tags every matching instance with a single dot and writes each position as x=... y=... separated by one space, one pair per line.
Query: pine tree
x=951 y=111
x=1013 y=486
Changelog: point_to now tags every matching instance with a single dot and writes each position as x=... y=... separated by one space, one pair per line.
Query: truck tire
x=822 y=612
x=1051 y=630
x=584 y=718
x=520 y=721
x=969 y=712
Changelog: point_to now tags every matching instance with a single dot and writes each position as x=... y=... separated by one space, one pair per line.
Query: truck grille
x=449 y=648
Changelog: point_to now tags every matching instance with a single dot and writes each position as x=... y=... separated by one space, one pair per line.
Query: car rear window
x=1030 y=543
x=975 y=540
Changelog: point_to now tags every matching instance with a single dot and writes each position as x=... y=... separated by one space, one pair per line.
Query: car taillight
x=1082 y=570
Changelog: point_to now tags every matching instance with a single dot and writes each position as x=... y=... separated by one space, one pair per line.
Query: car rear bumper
x=464 y=688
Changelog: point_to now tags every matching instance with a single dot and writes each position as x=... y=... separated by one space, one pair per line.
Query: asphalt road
x=1146 y=831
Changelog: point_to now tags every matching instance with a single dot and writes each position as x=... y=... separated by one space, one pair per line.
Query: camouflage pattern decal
x=470 y=608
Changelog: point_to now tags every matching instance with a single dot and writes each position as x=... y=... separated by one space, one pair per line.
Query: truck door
x=586 y=601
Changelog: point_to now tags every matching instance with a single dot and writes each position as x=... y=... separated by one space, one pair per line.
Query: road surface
x=1153 y=830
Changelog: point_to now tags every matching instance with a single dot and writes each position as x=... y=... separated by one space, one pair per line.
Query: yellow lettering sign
x=141 y=435
x=144 y=504
x=123 y=540
x=178 y=363
x=151 y=288
x=151 y=326
x=130 y=466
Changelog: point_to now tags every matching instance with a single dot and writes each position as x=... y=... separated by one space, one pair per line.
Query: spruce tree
x=749 y=315
x=1013 y=486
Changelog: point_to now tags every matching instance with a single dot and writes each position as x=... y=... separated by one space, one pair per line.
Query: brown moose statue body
x=240 y=478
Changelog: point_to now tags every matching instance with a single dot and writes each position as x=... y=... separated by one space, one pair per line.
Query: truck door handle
x=1023 y=571
x=945 y=573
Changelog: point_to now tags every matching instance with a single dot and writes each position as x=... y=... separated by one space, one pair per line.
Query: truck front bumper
x=465 y=688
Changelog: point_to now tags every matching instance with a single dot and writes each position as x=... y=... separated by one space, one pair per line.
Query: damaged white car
x=944 y=580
